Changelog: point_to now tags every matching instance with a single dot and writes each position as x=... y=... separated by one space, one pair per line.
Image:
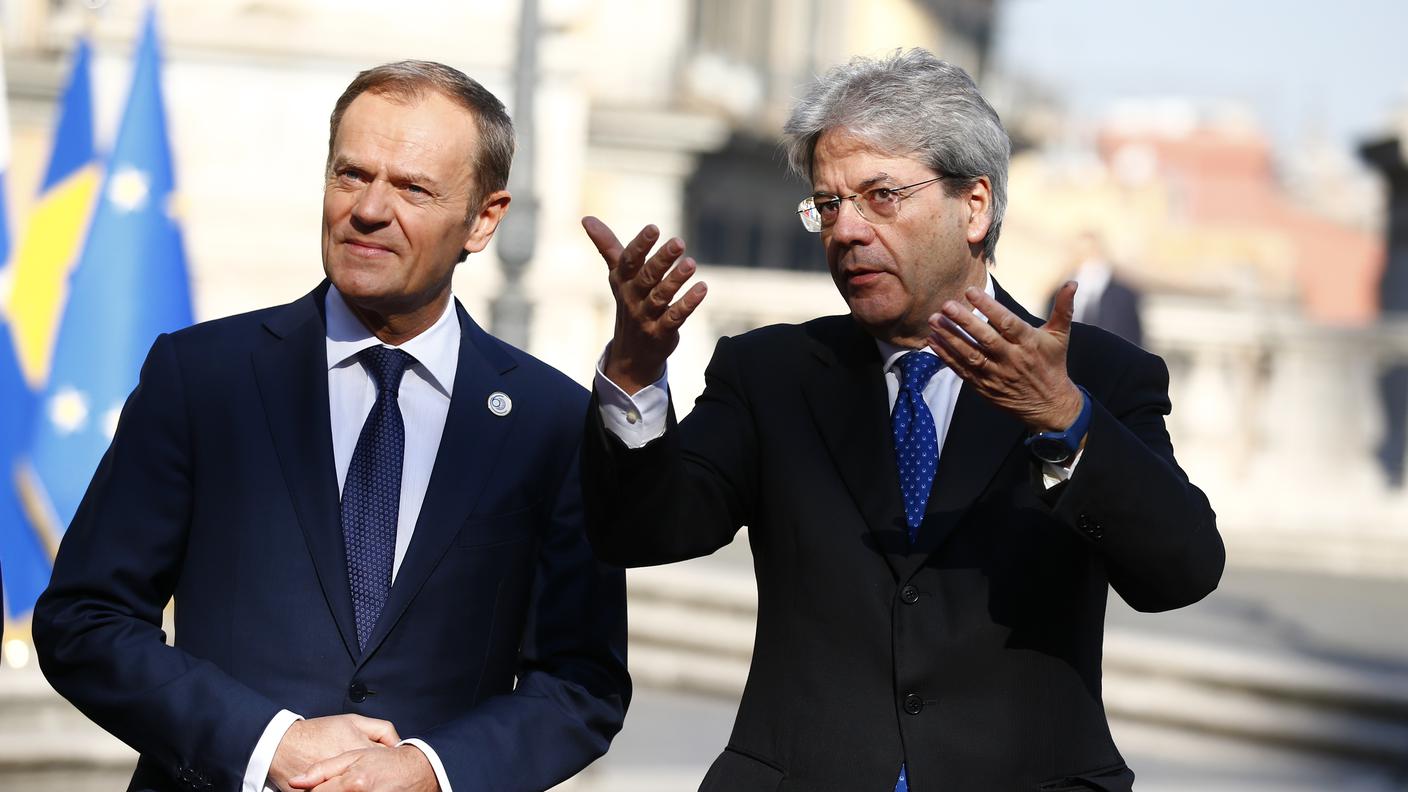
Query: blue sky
x=1336 y=69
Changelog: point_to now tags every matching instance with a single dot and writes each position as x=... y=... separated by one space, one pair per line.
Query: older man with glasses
x=939 y=487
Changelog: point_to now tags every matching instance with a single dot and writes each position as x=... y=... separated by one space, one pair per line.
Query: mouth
x=862 y=277
x=366 y=248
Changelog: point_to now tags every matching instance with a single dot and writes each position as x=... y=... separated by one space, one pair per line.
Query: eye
x=351 y=175
x=881 y=195
x=827 y=205
x=417 y=189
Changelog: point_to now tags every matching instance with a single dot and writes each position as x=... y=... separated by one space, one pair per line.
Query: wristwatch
x=1058 y=447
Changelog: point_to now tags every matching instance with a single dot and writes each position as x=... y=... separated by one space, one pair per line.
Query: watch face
x=1051 y=450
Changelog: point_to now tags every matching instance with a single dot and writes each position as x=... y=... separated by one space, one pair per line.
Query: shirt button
x=913 y=704
x=357 y=691
x=909 y=595
x=632 y=416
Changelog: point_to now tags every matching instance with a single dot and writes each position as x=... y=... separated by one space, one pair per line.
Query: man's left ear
x=491 y=212
x=979 y=197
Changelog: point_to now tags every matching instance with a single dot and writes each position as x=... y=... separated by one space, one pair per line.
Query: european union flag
x=22 y=556
x=129 y=286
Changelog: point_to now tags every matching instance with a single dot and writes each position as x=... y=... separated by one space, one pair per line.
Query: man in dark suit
x=938 y=488
x=1104 y=300
x=367 y=509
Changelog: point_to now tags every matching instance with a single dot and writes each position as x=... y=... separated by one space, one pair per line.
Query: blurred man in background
x=939 y=489
x=367 y=509
x=1104 y=299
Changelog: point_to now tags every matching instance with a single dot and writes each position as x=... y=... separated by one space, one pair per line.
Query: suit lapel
x=980 y=437
x=293 y=386
x=464 y=462
x=850 y=407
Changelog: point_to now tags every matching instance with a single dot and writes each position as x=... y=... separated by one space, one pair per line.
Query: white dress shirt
x=424 y=399
x=638 y=419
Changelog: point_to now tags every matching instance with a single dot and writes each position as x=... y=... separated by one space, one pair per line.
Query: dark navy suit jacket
x=502 y=643
x=973 y=654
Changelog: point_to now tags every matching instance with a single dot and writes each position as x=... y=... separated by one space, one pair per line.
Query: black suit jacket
x=974 y=656
x=219 y=488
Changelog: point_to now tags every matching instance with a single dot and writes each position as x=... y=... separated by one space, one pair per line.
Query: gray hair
x=909 y=103
x=409 y=80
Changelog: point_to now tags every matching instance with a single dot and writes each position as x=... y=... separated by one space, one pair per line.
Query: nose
x=373 y=205
x=850 y=228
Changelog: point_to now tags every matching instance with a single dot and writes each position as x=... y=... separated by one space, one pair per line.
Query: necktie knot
x=386 y=365
x=916 y=368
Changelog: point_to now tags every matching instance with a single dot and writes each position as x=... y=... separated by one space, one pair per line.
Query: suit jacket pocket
x=735 y=771
x=483 y=530
x=1115 y=778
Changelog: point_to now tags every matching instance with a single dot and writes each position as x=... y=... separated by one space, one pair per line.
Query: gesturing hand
x=1020 y=368
x=403 y=769
x=647 y=323
x=316 y=739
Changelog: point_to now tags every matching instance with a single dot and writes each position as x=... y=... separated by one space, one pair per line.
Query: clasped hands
x=349 y=753
x=1019 y=368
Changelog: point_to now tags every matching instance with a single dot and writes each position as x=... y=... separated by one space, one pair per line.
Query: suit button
x=913 y=704
x=357 y=692
x=909 y=595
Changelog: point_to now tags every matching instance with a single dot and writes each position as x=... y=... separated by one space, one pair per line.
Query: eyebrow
x=396 y=177
x=864 y=185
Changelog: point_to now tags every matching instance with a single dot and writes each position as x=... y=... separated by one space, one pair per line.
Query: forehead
x=421 y=132
x=844 y=160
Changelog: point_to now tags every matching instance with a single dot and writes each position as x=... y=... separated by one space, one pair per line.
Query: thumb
x=1063 y=309
x=378 y=731
x=320 y=772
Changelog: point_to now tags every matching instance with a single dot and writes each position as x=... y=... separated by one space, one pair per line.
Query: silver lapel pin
x=500 y=404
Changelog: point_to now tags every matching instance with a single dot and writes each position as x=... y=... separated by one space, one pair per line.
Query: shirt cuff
x=637 y=419
x=256 y=773
x=1053 y=473
x=435 y=763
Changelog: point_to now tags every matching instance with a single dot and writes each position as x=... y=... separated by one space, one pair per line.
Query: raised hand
x=1020 y=368
x=647 y=322
x=309 y=741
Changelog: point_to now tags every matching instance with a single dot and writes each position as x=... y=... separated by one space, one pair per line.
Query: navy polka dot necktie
x=371 y=495
x=916 y=442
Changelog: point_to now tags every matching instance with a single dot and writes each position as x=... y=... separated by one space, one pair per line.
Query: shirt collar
x=436 y=350
x=891 y=354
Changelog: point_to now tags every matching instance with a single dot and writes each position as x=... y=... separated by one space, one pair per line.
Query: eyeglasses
x=878 y=205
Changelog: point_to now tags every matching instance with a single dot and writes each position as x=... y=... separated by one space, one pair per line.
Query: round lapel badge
x=500 y=404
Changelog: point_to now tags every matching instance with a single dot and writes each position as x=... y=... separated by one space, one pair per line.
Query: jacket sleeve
x=686 y=493
x=97 y=627
x=573 y=688
x=1129 y=498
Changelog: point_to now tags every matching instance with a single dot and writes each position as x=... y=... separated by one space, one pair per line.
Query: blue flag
x=23 y=558
x=130 y=285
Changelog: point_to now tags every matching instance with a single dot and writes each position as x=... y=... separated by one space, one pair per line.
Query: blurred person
x=1104 y=299
x=367 y=509
x=938 y=487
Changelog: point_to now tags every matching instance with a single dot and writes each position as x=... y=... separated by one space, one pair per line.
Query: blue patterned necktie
x=916 y=442
x=371 y=495
x=916 y=451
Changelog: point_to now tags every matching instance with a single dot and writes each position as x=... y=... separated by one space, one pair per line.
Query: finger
x=654 y=270
x=960 y=319
x=665 y=291
x=1063 y=309
x=319 y=772
x=685 y=306
x=633 y=257
x=1005 y=323
x=958 y=337
x=605 y=240
x=952 y=357
x=378 y=731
